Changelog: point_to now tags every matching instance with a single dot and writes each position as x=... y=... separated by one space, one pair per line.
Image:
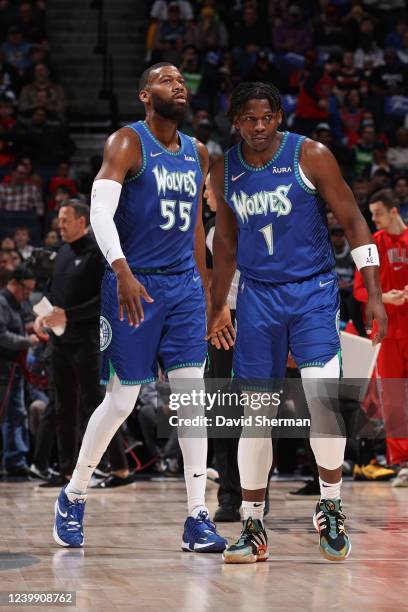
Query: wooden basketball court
x=132 y=558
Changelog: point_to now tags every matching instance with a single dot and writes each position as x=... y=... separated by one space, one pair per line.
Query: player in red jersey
x=392 y=245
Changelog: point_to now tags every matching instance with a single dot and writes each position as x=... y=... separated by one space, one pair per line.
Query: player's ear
x=143 y=96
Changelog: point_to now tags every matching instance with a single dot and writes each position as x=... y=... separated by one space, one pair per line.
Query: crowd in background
x=342 y=70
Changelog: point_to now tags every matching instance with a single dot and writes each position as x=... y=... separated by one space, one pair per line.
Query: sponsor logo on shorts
x=105 y=333
x=338 y=322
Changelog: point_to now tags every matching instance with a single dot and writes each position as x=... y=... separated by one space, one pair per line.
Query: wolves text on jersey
x=175 y=181
x=262 y=202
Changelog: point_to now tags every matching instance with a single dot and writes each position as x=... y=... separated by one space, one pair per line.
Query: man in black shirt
x=75 y=294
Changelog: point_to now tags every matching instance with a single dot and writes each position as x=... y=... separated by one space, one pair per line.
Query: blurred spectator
x=14 y=340
x=16 y=258
x=344 y=267
x=266 y=70
x=360 y=188
x=398 y=154
x=7 y=135
x=343 y=155
x=210 y=32
x=6 y=266
x=17 y=50
x=43 y=92
x=379 y=161
x=7 y=17
x=87 y=178
x=202 y=131
x=171 y=36
x=348 y=77
x=8 y=244
x=32 y=177
x=363 y=150
x=402 y=54
x=160 y=10
x=395 y=38
x=46 y=143
x=368 y=54
x=51 y=239
x=190 y=69
x=21 y=203
x=22 y=240
x=249 y=36
x=64 y=178
x=400 y=191
x=391 y=79
x=381 y=179
x=30 y=24
x=329 y=34
x=293 y=34
x=351 y=114
x=314 y=103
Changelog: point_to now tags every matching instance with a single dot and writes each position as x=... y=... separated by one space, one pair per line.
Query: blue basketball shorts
x=172 y=333
x=272 y=319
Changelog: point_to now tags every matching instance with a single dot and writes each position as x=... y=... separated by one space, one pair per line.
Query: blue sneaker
x=69 y=516
x=200 y=535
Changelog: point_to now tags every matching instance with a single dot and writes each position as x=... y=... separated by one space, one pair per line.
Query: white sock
x=196 y=511
x=118 y=403
x=75 y=495
x=196 y=480
x=253 y=510
x=329 y=490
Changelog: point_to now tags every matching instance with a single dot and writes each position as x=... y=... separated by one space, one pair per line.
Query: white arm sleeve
x=104 y=202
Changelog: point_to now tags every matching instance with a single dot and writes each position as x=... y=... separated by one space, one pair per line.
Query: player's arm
x=199 y=233
x=322 y=170
x=220 y=329
x=122 y=154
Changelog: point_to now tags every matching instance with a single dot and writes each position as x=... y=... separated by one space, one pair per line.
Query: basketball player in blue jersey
x=146 y=216
x=271 y=191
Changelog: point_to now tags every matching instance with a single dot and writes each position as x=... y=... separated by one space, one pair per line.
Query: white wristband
x=366 y=255
x=104 y=202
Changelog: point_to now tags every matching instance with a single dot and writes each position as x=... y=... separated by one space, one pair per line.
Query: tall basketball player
x=146 y=216
x=271 y=189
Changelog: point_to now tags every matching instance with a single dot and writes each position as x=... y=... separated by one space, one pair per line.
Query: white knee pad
x=121 y=399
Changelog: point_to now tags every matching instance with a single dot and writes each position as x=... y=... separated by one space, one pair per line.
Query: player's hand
x=375 y=311
x=396 y=297
x=130 y=295
x=220 y=331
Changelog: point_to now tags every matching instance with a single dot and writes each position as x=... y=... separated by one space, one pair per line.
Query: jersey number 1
x=267 y=232
x=168 y=208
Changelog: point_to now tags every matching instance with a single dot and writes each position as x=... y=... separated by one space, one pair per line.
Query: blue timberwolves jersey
x=282 y=228
x=157 y=209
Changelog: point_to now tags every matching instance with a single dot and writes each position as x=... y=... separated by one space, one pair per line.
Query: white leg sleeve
x=255 y=454
x=193 y=441
x=117 y=405
x=328 y=450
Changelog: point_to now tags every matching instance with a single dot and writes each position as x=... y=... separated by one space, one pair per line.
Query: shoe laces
x=203 y=520
x=247 y=532
x=332 y=521
x=76 y=513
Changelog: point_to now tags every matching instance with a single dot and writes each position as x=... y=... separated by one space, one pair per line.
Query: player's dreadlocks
x=250 y=91
x=144 y=79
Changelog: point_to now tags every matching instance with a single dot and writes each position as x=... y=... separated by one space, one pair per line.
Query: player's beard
x=168 y=109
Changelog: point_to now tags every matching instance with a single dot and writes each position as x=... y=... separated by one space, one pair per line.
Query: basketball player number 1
x=268 y=235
